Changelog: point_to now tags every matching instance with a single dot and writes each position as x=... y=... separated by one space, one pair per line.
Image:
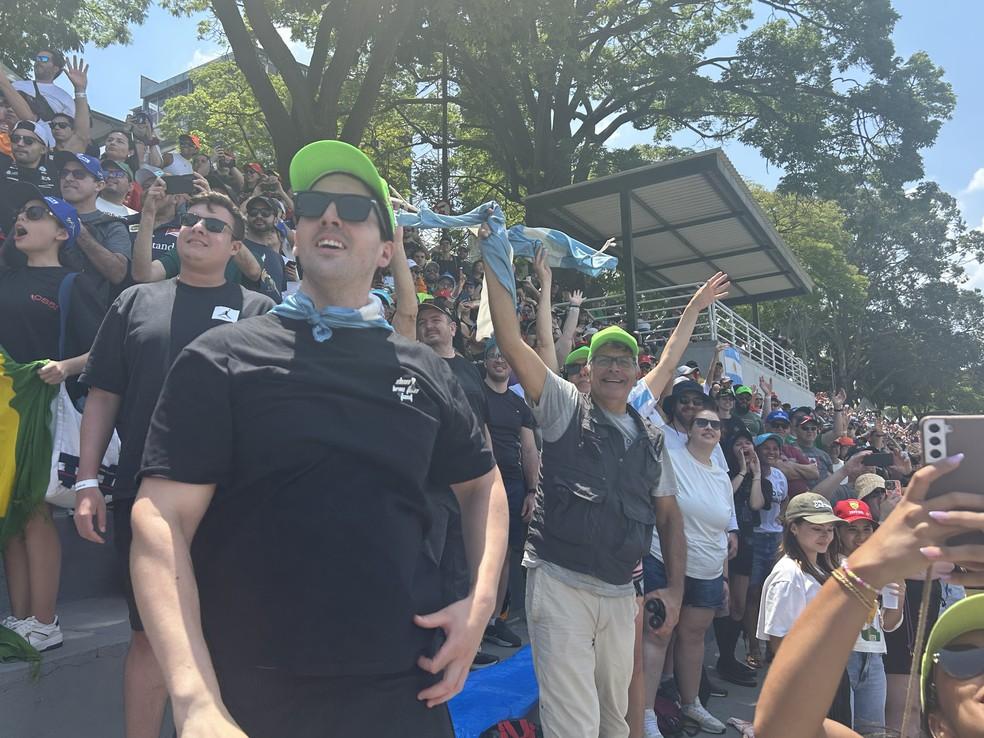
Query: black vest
x=594 y=513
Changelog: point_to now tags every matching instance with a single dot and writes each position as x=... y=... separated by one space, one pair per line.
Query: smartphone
x=946 y=435
x=878 y=459
x=893 y=487
x=179 y=184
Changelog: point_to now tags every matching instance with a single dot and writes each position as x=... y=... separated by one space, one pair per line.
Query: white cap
x=411 y=263
x=685 y=370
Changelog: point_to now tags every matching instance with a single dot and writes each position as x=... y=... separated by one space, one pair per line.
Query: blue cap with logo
x=92 y=165
x=780 y=415
x=20 y=193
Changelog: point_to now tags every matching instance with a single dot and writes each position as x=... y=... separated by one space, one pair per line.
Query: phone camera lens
x=935 y=440
x=934 y=428
x=936 y=453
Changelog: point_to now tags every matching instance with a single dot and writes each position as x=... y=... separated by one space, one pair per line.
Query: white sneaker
x=10 y=622
x=699 y=714
x=650 y=725
x=43 y=637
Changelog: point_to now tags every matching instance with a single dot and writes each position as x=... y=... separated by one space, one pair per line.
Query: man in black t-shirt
x=261 y=214
x=511 y=426
x=299 y=610
x=29 y=143
x=142 y=334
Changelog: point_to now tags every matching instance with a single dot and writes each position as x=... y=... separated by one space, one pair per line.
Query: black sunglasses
x=353 y=208
x=35 y=212
x=60 y=124
x=15 y=138
x=705 y=422
x=961 y=662
x=259 y=212
x=212 y=225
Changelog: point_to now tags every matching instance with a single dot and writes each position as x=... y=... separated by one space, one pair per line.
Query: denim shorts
x=765 y=552
x=696 y=592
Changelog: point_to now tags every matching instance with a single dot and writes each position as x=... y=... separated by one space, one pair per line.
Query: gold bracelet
x=870 y=605
x=858 y=580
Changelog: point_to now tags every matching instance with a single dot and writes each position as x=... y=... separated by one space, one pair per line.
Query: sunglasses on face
x=259 y=213
x=353 y=208
x=34 y=212
x=961 y=662
x=27 y=140
x=606 y=362
x=493 y=356
x=42 y=58
x=78 y=174
x=114 y=174
x=690 y=401
x=573 y=369
x=707 y=423
x=212 y=225
x=59 y=124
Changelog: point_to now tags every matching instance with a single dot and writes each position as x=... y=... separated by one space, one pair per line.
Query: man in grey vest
x=605 y=485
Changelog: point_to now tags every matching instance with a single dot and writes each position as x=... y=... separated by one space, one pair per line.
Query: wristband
x=79 y=94
x=531 y=492
x=85 y=484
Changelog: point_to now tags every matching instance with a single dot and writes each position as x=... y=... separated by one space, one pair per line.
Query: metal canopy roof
x=678 y=222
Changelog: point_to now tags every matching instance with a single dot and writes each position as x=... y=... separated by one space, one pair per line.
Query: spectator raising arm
x=405 y=318
x=714 y=289
x=77 y=72
x=840 y=419
x=529 y=367
x=143 y=268
x=15 y=100
x=566 y=342
x=545 y=348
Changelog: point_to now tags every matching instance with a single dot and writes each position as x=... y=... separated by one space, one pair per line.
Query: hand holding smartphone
x=947 y=435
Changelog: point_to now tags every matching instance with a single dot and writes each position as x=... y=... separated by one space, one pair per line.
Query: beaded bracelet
x=858 y=580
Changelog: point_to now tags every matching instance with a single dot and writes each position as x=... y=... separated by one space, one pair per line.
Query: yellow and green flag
x=25 y=442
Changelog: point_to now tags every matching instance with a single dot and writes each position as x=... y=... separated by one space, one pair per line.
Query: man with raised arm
x=277 y=576
x=604 y=487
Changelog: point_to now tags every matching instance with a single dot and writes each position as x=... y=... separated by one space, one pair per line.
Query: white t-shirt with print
x=769 y=519
x=58 y=99
x=708 y=505
x=786 y=593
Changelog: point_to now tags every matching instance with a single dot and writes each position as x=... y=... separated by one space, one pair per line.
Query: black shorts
x=268 y=703
x=122 y=538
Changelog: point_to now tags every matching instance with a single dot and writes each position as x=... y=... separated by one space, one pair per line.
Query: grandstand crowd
x=336 y=433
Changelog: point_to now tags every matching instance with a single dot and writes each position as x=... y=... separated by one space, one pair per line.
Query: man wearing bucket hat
x=605 y=485
x=315 y=610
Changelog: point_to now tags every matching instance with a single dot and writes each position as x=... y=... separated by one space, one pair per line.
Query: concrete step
x=80 y=689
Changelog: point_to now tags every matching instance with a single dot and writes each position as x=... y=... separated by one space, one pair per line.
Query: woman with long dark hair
x=31 y=276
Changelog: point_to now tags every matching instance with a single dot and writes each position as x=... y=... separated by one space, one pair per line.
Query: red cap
x=255 y=167
x=844 y=441
x=193 y=138
x=851 y=510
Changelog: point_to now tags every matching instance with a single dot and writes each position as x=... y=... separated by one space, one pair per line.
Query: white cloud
x=976 y=182
x=975 y=275
x=203 y=55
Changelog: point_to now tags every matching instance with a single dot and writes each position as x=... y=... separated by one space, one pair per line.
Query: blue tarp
x=506 y=691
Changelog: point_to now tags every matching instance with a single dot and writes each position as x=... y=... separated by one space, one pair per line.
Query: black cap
x=679 y=390
x=436 y=304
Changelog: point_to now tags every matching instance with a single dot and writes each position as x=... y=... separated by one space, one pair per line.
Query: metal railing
x=658 y=311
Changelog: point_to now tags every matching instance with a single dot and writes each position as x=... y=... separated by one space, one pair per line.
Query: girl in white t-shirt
x=866 y=667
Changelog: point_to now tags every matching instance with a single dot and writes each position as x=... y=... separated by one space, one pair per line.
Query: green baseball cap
x=958 y=619
x=743 y=390
x=578 y=354
x=812 y=508
x=609 y=335
x=321 y=158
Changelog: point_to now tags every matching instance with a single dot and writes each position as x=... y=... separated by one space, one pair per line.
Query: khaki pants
x=582 y=653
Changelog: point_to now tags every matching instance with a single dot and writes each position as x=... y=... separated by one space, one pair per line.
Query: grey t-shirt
x=557 y=405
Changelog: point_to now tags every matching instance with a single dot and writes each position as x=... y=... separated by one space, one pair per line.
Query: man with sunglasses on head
x=143 y=332
x=48 y=65
x=301 y=609
x=103 y=245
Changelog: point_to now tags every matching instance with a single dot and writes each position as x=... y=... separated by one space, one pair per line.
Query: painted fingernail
x=939 y=515
x=956 y=457
x=931 y=552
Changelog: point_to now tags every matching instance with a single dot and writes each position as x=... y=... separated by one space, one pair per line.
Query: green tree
x=27 y=26
x=353 y=45
x=816 y=87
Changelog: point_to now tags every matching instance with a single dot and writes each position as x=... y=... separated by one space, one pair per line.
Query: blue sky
x=948 y=30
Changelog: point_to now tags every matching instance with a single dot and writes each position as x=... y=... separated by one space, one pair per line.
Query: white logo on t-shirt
x=405 y=388
x=229 y=315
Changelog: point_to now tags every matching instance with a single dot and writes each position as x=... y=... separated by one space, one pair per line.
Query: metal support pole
x=445 y=170
x=628 y=260
x=755 y=315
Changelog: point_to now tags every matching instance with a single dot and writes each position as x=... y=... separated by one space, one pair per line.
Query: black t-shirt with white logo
x=508 y=415
x=30 y=314
x=142 y=334
x=306 y=557
x=44 y=177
